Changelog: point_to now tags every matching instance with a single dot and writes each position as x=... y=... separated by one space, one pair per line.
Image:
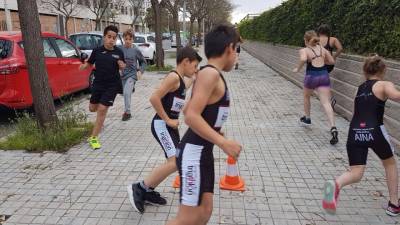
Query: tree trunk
x=159 y=50
x=199 y=25
x=66 y=26
x=190 y=42
x=97 y=24
x=33 y=47
x=175 y=17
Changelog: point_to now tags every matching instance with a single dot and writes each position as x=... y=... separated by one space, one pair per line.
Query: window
x=139 y=39
x=48 y=49
x=5 y=48
x=97 y=41
x=151 y=39
x=83 y=41
x=66 y=49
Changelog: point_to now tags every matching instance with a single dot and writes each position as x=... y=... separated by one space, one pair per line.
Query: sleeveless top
x=173 y=102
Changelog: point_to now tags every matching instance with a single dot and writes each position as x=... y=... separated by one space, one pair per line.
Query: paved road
x=284 y=166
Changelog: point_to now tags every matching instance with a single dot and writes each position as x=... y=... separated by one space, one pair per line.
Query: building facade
x=119 y=13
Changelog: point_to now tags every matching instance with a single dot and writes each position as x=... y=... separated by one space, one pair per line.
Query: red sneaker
x=392 y=210
x=331 y=195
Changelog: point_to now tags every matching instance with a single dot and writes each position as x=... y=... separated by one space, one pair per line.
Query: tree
x=33 y=47
x=173 y=7
x=100 y=7
x=156 y=6
x=150 y=19
x=197 y=11
x=137 y=6
x=68 y=8
x=218 y=11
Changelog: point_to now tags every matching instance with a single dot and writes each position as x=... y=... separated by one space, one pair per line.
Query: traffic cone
x=177 y=182
x=232 y=181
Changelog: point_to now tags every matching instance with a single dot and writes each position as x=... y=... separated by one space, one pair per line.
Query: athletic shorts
x=196 y=169
x=361 y=139
x=104 y=93
x=166 y=136
x=314 y=82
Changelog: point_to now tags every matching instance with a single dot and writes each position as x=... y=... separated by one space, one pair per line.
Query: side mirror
x=84 y=56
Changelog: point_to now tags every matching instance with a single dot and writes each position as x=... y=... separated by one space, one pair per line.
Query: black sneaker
x=136 y=196
x=392 y=210
x=154 y=197
x=334 y=133
x=126 y=116
x=305 y=120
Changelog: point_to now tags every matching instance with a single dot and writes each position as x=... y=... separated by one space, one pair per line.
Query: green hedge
x=363 y=26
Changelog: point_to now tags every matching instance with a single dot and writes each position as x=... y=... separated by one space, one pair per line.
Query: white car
x=147 y=46
x=87 y=41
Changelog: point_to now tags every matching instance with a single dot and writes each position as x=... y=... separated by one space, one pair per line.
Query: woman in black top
x=367 y=131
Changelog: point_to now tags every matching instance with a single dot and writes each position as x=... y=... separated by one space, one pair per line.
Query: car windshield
x=83 y=41
x=139 y=39
x=5 y=48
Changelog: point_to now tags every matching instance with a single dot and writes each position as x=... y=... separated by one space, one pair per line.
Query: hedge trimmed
x=363 y=26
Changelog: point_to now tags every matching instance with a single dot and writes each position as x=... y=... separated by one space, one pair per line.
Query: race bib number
x=223 y=113
x=177 y=104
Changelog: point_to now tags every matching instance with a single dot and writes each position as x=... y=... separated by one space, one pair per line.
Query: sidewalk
x=284 y=166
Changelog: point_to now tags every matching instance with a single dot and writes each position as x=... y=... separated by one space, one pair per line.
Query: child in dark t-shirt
x=107 y=80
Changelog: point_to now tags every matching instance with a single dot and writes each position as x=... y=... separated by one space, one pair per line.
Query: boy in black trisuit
x=168 y=101
x=205 y=113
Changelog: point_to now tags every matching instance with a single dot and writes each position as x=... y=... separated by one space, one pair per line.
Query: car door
x=69 y=62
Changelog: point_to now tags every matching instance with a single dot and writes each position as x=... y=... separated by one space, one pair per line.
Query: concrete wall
x=345 y=79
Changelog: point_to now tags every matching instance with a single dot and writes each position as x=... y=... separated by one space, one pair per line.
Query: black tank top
x=328 y=46
x=368 y=109
x=214 y=114
x=310 y=66
x=173 y=102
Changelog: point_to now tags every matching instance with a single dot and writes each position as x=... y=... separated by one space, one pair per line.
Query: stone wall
x=345 y=79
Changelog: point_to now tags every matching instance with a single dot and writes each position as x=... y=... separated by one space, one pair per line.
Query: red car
x=62 y=62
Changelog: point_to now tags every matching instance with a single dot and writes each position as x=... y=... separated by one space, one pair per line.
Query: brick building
x=83 y=19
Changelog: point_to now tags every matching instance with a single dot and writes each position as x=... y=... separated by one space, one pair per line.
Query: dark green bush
x=363 y=26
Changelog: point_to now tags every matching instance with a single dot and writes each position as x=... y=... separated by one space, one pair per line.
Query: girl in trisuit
x=205 y=113
x=367 y=131
x=329 y=43
x=317 y=78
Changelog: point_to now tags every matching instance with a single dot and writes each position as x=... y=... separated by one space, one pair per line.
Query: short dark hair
x=219 y=38
x=189 y=53
x=324 y=29
x=110 y=28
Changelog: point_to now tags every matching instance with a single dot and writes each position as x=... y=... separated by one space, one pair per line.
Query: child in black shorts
x=367 y=131
x=168 y=101
x=205 y=113
x=107 y=83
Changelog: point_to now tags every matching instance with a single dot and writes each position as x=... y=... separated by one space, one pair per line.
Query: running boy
x=168 y=100
x=131 y=73
x=205 y=113
x=367 y=131
x=107 y=81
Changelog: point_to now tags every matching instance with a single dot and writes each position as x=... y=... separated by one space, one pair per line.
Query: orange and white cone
x=232 y=181
x=177 y=182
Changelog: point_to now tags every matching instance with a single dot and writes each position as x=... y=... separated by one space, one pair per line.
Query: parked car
x=87 y=41
x=62 y=60
x=146 y=45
